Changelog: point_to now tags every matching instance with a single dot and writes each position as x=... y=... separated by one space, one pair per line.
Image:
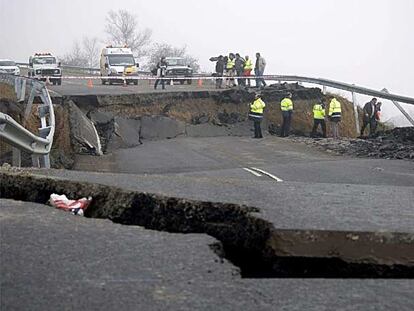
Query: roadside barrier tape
x=148 y=77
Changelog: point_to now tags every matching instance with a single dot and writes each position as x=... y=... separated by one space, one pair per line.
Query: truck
x=177 y=68
x=118 y=63
x=43 y=66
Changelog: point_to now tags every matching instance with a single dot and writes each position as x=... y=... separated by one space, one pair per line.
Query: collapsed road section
x=258 y=248
x=96 y=124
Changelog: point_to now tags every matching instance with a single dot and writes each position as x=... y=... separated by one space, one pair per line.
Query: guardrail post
x=23 y=91
x=397 y=104
x=45 y=161
x=29 y=105
x=354 y=101
x=35 y=160
x=16 y=157
x=17 y=87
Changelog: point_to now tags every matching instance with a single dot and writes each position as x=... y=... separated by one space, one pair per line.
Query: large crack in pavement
x=249 y=242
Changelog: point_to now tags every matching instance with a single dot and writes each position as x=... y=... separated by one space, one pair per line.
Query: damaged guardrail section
x=15 y=133
x=251 y=243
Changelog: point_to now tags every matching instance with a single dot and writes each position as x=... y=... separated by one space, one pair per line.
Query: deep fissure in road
x=245 y=240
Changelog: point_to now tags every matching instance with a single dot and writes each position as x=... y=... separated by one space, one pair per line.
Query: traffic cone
x=125 y=83
x=200 y=82
x=90 y=84
x=171 y=82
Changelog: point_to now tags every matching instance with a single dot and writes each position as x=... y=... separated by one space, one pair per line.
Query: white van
x=119 y=63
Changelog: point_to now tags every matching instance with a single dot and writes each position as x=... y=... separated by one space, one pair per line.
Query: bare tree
x=122 y=29
x=75 y=57
x=91 y=51
x=159 y=50
x=85 y=55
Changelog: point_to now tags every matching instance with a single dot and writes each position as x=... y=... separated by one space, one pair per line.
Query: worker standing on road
x=161 y=68
x=286 y=105
x=230 y=70
x=335 y=116
x=239 y=67
x=219 y=71
x=247 y=69
x=369 y=117
x=259 y=70
x=256 y=114
x=319 y=118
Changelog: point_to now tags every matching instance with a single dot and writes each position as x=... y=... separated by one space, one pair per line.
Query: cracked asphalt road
x=52 y=260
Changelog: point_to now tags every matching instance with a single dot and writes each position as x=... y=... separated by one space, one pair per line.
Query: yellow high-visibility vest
x=286 y=104
x=334 y=108
x=257 y=106
x=318 y=112
x=230 y=63
x=248 y=65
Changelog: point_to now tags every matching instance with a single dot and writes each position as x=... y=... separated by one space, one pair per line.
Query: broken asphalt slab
x=53 y=260
x=355 y=253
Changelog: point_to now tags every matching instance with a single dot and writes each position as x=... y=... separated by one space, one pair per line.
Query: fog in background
x=369 y=43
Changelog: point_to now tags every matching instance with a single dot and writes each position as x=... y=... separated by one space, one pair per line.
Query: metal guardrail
x=342 y=86
x=16 y=134
x=394 y=98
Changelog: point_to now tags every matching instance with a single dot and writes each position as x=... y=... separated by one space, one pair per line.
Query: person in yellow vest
x=256 y=114
x=335 y=116
x=286 y=105
x=248 y=67
x=230 y=70
x=319 y=118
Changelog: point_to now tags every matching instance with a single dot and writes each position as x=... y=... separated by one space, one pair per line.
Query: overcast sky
x=370 y=42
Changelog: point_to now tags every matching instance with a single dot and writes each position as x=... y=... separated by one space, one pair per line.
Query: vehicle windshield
x=121 y=60
x=7 y=63
x=175 y=62
x=44 y=60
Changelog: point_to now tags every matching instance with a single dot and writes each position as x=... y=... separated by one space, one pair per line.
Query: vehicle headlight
x=17 y=71
x=38 y=71
x=57 y=71
x=113 y=71
x=169 y=71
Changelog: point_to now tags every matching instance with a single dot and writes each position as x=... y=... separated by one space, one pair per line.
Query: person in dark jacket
x=220 y=65
x=259 y=69
x=368 y=118
x=239 y=67
x=161 y=69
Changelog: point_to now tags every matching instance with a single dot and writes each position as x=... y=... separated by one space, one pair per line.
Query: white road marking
x=251 y=171
x=266 y=173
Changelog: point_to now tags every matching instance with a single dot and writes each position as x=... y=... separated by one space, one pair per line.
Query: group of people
x=371 y=112
x=233 y=65
x=371 y=116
